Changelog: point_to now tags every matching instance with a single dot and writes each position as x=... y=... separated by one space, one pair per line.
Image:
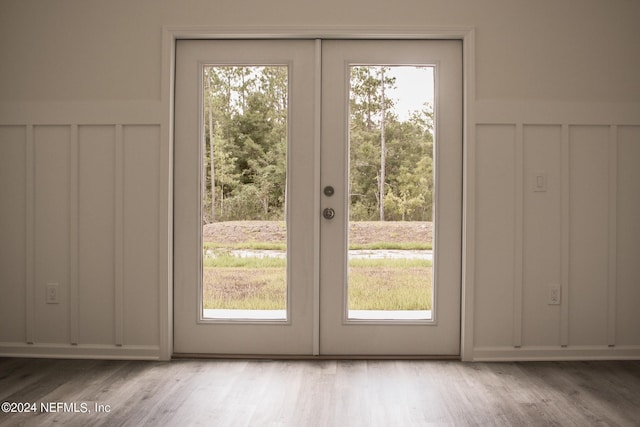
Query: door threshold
x=267 y=357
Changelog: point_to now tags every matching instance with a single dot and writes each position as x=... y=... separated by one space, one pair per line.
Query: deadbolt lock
x=328 y=213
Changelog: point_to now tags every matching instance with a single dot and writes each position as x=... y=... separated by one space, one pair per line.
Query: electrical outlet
x=52 y=295
x=554 y=294
x=540 y=181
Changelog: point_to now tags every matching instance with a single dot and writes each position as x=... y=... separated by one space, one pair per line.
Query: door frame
x=170 y=34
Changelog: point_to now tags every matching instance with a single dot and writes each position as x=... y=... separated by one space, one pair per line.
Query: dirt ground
x=359 y=233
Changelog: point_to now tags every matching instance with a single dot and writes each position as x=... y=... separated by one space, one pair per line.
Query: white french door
x=327 y=149
x=435 y=328
x=285 y=331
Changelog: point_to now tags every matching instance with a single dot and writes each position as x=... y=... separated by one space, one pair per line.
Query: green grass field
x=260 y=284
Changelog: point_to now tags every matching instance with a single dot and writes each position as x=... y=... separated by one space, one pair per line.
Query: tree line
x=245 y=140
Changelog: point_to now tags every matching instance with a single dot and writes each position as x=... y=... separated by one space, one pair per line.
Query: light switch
x=540 y=181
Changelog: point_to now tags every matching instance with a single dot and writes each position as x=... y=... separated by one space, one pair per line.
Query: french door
x=317 y=197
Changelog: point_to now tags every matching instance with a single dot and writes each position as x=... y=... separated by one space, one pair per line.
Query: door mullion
x=317 y=126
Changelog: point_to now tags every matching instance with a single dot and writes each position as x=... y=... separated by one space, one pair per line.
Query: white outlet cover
x=555 y=294
x=52 y=293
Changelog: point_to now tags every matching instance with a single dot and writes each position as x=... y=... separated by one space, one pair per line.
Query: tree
x=383 y=145
x=246 y=130
x=245 y=147
x=369 y=108
x=208 y=77
x=391 y=161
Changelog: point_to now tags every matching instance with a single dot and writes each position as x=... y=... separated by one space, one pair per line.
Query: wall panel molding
x=588 y=156
x=495 y=235
x=565 y=228
x=141 y=198
x=80 y=351
x=96 y=234
x=552 y=353
x=518 y=198
x=542 y=233
x=119 y=237
x=52 y=192
x=89 y=113
x=13 y=173
x=613 y=235
x=74 y=300
x=589 y=240
x=30 y=264
x=53 y=233
x=628 y=235
x=557 y=113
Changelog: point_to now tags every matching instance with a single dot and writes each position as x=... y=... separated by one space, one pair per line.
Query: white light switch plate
x=540 y=181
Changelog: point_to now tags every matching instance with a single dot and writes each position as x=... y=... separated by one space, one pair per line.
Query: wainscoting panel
x=495 y=222
x=13 y=232
x=80 y=208
x=52 y=226
x=542 y=233
x=628 y=237
x=85 y=204
x=589 y=238
x=574 y=188
x=141 y=216
x=96 y=237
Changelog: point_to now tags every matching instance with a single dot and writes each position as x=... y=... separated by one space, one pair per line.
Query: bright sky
x=414 y=87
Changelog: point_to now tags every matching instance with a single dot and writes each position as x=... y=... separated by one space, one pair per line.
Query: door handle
x=328 y=213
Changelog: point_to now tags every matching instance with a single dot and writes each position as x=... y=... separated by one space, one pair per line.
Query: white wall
x=83 y=194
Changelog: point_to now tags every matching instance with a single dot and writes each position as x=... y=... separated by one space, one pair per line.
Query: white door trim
x=172 y=33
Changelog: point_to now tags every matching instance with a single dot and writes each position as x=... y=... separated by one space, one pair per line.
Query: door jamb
x=170 y=34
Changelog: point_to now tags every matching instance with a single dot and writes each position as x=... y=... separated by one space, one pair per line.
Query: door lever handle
x=328 y=213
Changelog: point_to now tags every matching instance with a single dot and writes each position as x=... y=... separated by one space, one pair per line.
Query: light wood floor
x=323 y=393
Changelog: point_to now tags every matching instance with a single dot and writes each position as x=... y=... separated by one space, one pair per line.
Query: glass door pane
x=391 y=192
x=244 y=192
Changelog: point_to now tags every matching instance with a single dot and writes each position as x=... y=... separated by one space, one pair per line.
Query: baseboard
x=479 y=354
x=310 y=357
x=82 y=351
x=504 y=354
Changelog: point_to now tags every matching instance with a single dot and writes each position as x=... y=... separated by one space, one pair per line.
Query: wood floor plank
x=321 y=393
